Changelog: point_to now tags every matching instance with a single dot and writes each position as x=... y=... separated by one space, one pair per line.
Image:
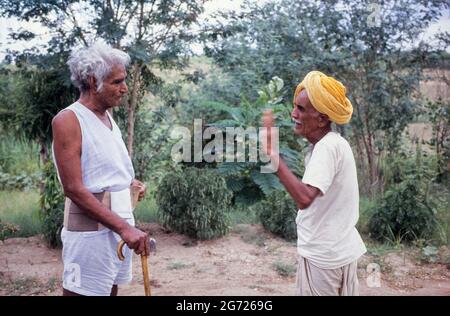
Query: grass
x=21 y=209
x=21 y=286
x=284 y=269
x=52 y=284
x=381 y=249
x=28 y=286
x=176 y=265
x=18 y=157
x=252 y=237
x=440 y=195
x=147 y=210
x=242 y=215
x=365 y=205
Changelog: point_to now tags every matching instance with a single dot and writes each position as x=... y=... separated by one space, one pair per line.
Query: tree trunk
x=371 y=160
x=43 y=158
x=136 y=84
x=366 y=161
x=132 y=107
x=364 y=136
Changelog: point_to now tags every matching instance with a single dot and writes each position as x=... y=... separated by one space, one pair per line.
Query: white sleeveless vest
x=105 y=163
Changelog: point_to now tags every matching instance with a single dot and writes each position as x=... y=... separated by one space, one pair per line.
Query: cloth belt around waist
x=77 y=220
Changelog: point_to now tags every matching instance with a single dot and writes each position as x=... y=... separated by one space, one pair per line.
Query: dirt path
x=248 y=261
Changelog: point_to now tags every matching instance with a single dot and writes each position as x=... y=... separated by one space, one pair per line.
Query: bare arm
x=67 y=150
x=303 y=194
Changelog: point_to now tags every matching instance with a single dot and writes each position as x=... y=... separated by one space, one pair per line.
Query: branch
x=75 y=22
x=125 y=10
x=149 y=13
x=117 y=11
x=168 y=30
x=141 y=21
x=130 y=17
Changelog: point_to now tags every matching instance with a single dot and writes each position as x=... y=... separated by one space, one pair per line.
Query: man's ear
x=92 y=83
x=323 y=120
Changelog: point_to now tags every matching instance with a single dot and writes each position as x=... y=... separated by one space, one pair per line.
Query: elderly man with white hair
x=96 y=173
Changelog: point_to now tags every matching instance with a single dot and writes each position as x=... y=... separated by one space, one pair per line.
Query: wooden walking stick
x=144 y=263
x=134 y=194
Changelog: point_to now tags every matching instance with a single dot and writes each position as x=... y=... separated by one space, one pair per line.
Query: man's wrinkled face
x=305 y=116
x=114 y=87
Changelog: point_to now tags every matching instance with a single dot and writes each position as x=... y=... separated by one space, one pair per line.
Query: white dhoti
x=314 y=281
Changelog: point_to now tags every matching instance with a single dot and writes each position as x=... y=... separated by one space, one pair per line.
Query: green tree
x=156 y=33
x=439 y=116
x=380 y=63
x=34 y=97
x=245 y=178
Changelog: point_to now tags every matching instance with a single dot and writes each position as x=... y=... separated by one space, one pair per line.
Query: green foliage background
x=52 y=207
x=277 y=213
x=253 y=60
x=194 y=202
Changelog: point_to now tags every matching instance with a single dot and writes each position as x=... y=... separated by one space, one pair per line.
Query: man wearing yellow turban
x=327 y=196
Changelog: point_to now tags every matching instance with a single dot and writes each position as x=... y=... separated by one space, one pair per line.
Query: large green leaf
x=267 y=182
x=231 y=168
x=236 y=184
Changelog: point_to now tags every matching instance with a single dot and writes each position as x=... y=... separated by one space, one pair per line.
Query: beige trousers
x=313 y=281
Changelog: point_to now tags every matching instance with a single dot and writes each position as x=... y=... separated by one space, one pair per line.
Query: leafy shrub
x=194 y=202
x=245 y=178
x=52 y=206
x=277 y=213
x=7 y=229
x=402 y=214
x=18 y=182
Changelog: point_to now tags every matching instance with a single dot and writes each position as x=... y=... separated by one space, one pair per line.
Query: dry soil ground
x=248 y=261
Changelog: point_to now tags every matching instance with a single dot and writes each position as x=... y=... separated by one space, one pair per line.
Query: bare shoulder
x=66 y=128
x=63 y=118
x=65 y=121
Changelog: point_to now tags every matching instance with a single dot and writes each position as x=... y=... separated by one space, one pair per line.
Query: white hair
x=96 y=60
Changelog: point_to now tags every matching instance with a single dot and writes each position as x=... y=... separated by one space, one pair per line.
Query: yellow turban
x=327 y=95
